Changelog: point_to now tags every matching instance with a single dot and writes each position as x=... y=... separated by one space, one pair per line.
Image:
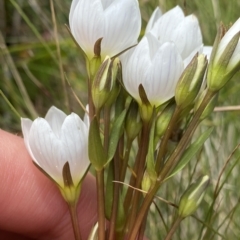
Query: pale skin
x=31 y=206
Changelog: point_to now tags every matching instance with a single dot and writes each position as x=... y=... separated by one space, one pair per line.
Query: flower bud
x=190 y=81
x=147 y=182
x=192 y=197
x=163 y=121
x=103 y=82
x=225 y=59
x=133 y=121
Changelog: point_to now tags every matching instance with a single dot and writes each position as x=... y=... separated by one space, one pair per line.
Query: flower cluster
x=149 y=90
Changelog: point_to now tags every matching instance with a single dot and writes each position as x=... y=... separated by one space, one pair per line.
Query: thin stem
x=142 y=228
x=115 y=198
x=164 y=142
x=172 y=161
x=125 y=160
x=74 y=218
x=140 y=171
x=101 y=204
x=173 y=228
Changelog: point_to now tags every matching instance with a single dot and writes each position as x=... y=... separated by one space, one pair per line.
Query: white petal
x=122 y=26
x=75 y=142
x=26 y=125
x=162 y=76
x=87 y=24
x=227 y=38
x=47 y=149
x=55 y=117
x=107 y=3
x=166 y=24
x=192 y=54
x=187 y=36
x=235 y=59
x=155 y=16
x=134 y=72
x=207 y=50
x=72 y=9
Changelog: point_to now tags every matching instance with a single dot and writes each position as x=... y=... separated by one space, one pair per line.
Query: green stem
x=101 y=204
x=115 y=198
x=74 y=218
x=173 y=228
x=140 y=171
x=172 y=161
x=125 y=160
x=164 y=141
x=142 y=228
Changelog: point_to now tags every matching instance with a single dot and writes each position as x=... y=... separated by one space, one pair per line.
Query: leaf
x=96 y=152
x=116 y=133
x=190 y=152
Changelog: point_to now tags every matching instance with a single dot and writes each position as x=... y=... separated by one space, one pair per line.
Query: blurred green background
x=31 y=79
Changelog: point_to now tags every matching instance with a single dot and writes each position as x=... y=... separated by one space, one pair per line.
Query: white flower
x=55 y=140
x=118 y=22
x=157 y=67
x=173 y=26
x=170 y=43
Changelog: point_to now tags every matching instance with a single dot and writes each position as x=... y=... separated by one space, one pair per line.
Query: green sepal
x=67 y=177
x=96 y=152
x=116 y=132
x=193 y=196
x=190 y=81
x=146 y=108
x=97 y=47
x=190 y=152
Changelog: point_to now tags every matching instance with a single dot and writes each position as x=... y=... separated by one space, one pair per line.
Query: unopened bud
x=133 y=121
x=190 y=81
x=192 y=197
x=163 y=120
x=103 y=83
x=147 y=182
x=225 y=59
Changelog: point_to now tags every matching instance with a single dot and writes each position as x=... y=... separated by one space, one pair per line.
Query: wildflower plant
x=140 y=93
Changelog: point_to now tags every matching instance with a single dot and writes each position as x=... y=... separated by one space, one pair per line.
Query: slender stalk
x=101 y=204
x=164 y=142
x=140 y=171
x=172 y=161
x=173 y=228
x=116 y=187
x=125 y=160
x=142 y=228
x=74 y=218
